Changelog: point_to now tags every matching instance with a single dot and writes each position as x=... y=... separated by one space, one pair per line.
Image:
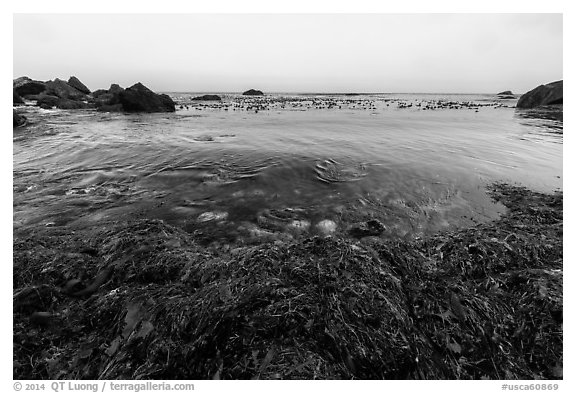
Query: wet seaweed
x=145 y=300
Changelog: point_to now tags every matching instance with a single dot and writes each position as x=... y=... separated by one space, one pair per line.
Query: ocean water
x=254 y=169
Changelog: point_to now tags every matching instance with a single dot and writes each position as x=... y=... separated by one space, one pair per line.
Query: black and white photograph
x=287 y=196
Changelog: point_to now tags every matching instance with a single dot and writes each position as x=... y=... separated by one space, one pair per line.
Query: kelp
x=145 y=300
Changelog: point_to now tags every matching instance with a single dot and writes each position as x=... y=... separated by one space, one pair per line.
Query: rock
x=299 y=225
x=18 y=120
x=252 y=92
x=16 y=99
x=25 y=86
x=207 y=97
x=75 y=83
x=41 y=318
x=62 y=89
x=46 y=101
x=98 y=93
x=368 y=228
x=326 y=227
x=65 y=103
x=110 y=108
x=115 y=89
x=550 y=94
x=505 y=93
x=138 y=98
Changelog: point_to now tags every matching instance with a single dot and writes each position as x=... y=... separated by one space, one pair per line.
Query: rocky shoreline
x=75 y=95
x=143 y=300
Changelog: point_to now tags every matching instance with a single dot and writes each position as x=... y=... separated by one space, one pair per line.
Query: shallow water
x=253 y=169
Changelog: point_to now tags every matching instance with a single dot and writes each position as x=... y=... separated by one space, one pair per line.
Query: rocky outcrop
x=24 y=86
x=550 y=94
x=18 y=120
x=252 y=92
x=62 y=89
x=505 y=93
x=75 y=83
x=138 y=98
x=207 y=97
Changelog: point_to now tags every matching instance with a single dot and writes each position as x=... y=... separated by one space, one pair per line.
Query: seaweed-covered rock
x=550 y=94
x=75 y=83
x=253 y=92
x=138 y=98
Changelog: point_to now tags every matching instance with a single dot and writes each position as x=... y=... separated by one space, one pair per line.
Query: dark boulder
x=252 y=92
x=368 y=228
x=16 y=99
x=24 y=86
x=550 y=94
x=46 y=101
x=505 y=93
x=107 y=100
x=17 y=119
x=66 y=103
x=98 y=93
x=110 y=108
x=75 y=83
x=138 y=98
x=62 y=89
x=207 y=97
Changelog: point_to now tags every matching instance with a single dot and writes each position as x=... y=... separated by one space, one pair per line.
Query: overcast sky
x=460 y=53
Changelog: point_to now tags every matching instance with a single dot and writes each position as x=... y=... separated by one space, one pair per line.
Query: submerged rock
x=326 y=227
x=550 y=94
x=253 y=92
x=367 y=228
x=212 y=216
x=299 y=225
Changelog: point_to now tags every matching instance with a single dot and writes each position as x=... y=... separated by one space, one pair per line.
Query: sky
x=441 y=53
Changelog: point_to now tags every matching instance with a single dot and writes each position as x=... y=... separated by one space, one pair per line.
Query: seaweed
x=145 y=300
